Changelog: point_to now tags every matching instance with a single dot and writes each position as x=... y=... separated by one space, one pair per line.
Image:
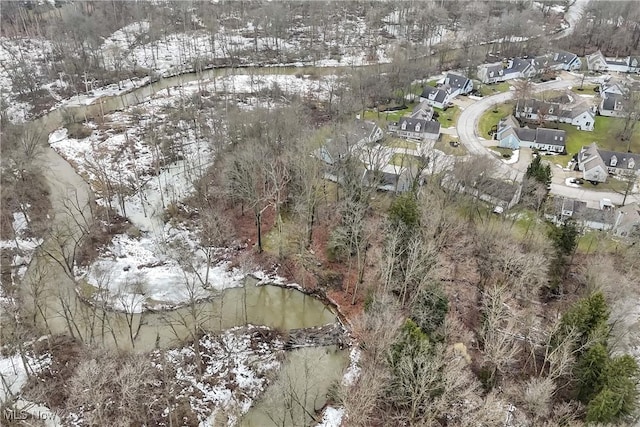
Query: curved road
x=468 y=134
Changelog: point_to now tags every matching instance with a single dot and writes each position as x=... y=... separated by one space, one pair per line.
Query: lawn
x=503 y=151
x=448 y=117
x=443 y=144
x=390 y=116
x=612 y=184
x=587 y=89
x=492 y=89
x=597 y=241
x=400 y=143
x=491 y=117
x=604 y=133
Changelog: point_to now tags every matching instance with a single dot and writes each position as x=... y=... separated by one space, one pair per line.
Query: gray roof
x=526 y=134
x=440 y=95
x=560 y=57
x=622 y=160
x=536 y=105
x=564 y=57
x=494 y=70
x=426 y=126
x=581 y=212
x=422 y=111
x=497 y=188
x=609 y=103
x=550 y=136
x=456 y=81
x=519 y=65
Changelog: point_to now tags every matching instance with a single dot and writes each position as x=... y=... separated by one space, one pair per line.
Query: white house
x=435 y=97
x=612 y=105
x=597 y=164
x=598 y=62
x=581 y=115
x=560 y=60
x=416 y=129
x=456 y=85
x=514 y=68
x=562 y=209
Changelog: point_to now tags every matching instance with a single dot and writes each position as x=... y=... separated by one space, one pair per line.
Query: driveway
x=477 y=145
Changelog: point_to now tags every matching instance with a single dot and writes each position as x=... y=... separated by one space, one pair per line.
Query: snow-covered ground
x=148 y=263
x=21 y=247
x=130 y=172
x=14 y=372
x=18 y=58
x=236 y=369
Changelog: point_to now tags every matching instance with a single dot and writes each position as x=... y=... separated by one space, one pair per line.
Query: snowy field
x=128 y=166
x=138 y=180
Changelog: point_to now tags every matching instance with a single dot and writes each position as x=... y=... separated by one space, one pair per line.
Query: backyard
x=492 y=89
x=492 y=116
x=604 y=134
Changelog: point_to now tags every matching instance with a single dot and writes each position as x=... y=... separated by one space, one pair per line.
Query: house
x=363 y=132
x=580 y=115
x=511 y=135
x=560 y=60
x=422 y=111
x=597 y=164
x=514 y=68
x=562 y=209
x=435 y=97
x=416 y=129
x=612 y=105
x=598 y=62
x=491 y=73
x=627 y=221
x=456 y=85
x=613 y=93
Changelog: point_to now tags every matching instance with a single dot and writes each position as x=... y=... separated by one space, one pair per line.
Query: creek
x=49 y=290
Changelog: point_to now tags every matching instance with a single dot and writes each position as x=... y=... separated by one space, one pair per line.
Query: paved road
x=477 y=145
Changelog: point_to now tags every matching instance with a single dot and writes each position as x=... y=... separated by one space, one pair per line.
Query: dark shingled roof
x=622 y=160
x=518 y=66
x=526 y=134
x=426 y=126
x=609 y=103
x=456 y=81
x=440 y=94
x=550 y=136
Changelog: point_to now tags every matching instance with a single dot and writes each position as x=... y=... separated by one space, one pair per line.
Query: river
x=49 y=291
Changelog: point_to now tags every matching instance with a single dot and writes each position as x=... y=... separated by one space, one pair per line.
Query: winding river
x=50 y=295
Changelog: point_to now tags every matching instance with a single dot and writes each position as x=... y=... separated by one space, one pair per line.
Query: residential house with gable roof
x=598 y=62
x=579 y=115
x=435 y=97
x=597 y=164
x=456 y=85
x=419 y=126
x=560 y=60
x=511 y=135
x=514 y=68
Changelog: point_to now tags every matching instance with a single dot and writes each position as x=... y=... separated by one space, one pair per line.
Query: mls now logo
x=12 y=414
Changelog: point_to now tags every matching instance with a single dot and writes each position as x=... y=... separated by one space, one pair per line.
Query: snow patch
x=332 y=417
